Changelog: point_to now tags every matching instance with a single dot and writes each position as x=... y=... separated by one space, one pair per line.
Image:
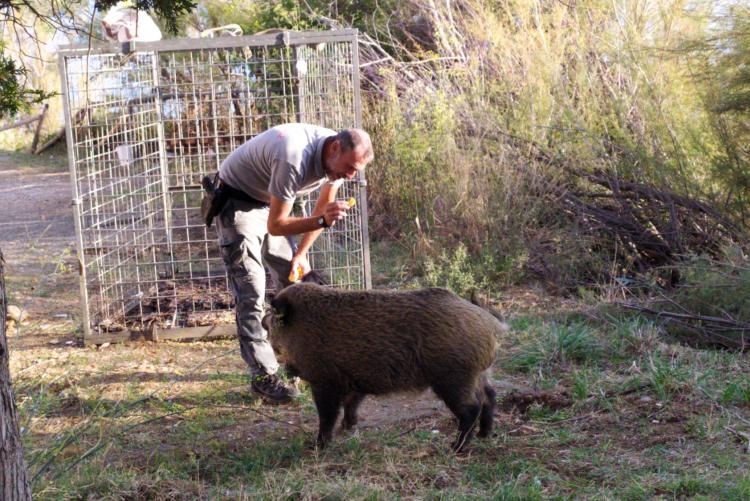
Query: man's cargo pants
x=245 y=245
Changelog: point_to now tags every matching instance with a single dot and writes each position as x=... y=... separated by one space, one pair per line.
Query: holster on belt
x=217 y=193
x=213 y=198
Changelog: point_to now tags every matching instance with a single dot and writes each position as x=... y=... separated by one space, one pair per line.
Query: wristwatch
x=322 y=222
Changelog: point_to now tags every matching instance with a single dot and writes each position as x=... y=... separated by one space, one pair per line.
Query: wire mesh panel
x=145 y=126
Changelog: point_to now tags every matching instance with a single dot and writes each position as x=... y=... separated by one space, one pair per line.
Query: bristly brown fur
x=348 y=344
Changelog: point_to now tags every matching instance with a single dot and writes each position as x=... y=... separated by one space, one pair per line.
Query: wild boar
x=349 y=344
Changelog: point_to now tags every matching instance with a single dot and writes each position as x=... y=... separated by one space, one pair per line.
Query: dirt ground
x=37 y=235
x=36 y=201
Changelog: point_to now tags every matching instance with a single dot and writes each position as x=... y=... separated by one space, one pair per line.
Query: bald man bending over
x=263 y=178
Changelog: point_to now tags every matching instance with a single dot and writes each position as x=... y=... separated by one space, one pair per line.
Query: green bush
x=711 y=290
x=736 y=393
x=716 y=289
x=478 y=150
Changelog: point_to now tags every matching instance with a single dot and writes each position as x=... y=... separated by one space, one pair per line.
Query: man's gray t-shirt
x=284 y=161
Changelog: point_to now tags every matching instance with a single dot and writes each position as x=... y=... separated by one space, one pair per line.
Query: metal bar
x=190 y=44
x=198 y=333
x=163 y=167
x=76 y=201
x=362 y=180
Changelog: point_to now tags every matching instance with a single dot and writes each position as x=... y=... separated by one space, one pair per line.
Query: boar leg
x=464 y=404
x=351 y=404
x=488 y=408
x=328 y=403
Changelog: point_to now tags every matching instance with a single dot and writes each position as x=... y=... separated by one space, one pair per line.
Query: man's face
x=344 y=164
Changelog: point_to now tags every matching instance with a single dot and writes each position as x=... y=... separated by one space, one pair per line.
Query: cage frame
x=283 y=38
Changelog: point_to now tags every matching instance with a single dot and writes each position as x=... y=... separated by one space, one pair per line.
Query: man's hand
x=335 y=211
x=299 y=261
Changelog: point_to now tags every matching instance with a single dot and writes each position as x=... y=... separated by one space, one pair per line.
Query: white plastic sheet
x=123 y=24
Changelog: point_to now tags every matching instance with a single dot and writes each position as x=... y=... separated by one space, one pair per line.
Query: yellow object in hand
x=351 y=202
x=296 y=274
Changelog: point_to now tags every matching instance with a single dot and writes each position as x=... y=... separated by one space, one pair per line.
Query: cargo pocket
x=233 y=255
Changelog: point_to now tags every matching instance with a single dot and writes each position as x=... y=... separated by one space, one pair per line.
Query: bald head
x=347 y=153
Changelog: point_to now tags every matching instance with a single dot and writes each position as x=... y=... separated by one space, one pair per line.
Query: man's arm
x=327 y=195
x=281 y=222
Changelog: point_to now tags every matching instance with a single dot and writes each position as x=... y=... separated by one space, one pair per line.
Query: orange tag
x=351 y=202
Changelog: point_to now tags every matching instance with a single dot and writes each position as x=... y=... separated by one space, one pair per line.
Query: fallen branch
x=715 y=330
x=25 y=121
x=735 y=324
x=38 y=129
x=61 y=133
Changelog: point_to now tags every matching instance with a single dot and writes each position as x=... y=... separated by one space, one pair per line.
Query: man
x=263 y=177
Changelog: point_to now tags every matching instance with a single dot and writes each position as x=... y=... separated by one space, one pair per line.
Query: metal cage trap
x=146 y=122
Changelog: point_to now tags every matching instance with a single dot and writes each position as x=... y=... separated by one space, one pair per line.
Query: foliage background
x=480 y=109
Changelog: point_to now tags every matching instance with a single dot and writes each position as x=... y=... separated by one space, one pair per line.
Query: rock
x=16 y=314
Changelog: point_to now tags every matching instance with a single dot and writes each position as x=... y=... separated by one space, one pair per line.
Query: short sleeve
x=285 y=181
x=336 y=183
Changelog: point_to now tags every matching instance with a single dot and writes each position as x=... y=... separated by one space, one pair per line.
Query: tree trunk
x=14 y=484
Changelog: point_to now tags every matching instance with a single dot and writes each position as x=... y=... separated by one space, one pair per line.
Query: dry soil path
x=37 y=235
x=35 y=197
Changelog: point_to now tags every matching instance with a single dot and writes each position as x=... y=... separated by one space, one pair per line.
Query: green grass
x=53 y=160
x=666 y=376
x=198 y=458
x=556 y=344
x=737 y=393
x=638 y=418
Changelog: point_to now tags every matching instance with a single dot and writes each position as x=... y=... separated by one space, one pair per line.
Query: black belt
x=225 y=191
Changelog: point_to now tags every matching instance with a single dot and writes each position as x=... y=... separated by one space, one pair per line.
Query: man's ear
x=336 y=146
x=282 y=310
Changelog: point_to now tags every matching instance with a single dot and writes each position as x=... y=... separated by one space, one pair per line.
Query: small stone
x=16 y=314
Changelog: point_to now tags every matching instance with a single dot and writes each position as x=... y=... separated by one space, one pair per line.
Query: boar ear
x=315 y=277
x=282 y=310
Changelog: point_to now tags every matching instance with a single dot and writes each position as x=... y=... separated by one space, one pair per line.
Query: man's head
x=347 y=153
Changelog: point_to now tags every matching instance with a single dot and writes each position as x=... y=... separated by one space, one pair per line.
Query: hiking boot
x=273 y=389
